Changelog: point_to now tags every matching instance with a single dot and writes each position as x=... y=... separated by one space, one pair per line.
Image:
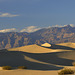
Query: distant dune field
x=41 y=59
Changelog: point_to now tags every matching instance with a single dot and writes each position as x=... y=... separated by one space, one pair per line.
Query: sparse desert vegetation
x=73 y=63
x=66 y=71
x=6 y=67
x=22 y=67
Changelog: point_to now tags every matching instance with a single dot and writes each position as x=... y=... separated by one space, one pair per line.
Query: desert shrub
x=65 y=71
x=6 y=67
x=73 y=63
x=22 y=67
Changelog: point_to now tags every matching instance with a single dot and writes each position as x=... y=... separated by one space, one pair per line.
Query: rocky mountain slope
x=53 y=35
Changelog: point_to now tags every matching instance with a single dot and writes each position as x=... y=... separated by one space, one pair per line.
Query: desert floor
x=28 y=72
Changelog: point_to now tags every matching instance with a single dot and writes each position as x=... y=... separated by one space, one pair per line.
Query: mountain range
x=52 y=35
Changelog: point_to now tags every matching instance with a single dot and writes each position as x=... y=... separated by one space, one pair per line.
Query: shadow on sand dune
x=17 y=58
x=53 y=46
x=51 y=58
x=39 y=66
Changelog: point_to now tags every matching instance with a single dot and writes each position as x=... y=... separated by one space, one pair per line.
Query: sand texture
x=46 y=45
x=38 y=60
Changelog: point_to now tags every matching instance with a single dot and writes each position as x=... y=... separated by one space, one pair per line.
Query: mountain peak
x=67 y=26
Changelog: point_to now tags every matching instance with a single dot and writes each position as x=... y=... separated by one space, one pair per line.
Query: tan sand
x=46 y=45
x=39 y=60
x=32 y=72
x=27 y=72
x=68 y=44
x=35 y=49
x=37 y=57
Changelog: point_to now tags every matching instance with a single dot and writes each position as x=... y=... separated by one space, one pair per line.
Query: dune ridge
x=36 y=49
x=69 y=44
x=43 y=60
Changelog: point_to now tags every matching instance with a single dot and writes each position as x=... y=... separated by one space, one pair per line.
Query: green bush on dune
x=65 y=71
x=22 y=67
x=7 y=67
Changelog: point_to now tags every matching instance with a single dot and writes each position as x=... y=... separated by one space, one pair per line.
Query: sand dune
x=28 y=72
x=67 y=55
x=35 y=49
x=31 y=49
x=46 y=45
x=69 y=44
x=38 y=58
x=34 y=61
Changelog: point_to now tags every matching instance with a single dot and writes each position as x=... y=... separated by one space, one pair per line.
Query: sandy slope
x=46 y=45
x=38 y=58
x=35 y=49
x=69 y=44
x=31 y=49
x=28 y=72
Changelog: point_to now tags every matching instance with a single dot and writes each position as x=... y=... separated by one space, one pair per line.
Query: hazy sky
x=42 y=13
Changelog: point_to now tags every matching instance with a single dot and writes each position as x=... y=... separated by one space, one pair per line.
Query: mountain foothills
x=52 y=35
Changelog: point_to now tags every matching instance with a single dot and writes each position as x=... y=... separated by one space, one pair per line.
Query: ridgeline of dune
x=35 y=49
x=31 y=49
x=46 y=45
x=69 y=44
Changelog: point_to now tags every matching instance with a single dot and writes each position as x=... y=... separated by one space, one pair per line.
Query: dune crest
x=68 y=44
x=46 y=45
x=35 y=49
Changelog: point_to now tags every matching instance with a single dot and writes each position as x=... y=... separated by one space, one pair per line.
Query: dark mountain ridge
x=51 y=35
